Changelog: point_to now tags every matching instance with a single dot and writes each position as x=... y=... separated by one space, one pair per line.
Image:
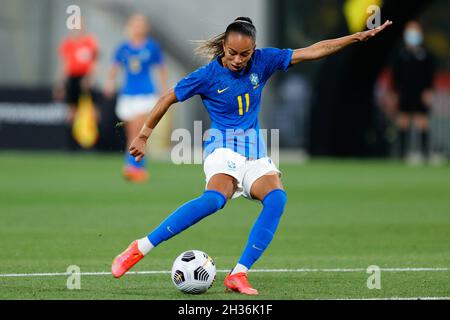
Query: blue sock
x=130 y=161
x=187 y=215
x=264 y=227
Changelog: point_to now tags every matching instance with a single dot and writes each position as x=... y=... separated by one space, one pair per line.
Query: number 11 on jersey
x=247 y=104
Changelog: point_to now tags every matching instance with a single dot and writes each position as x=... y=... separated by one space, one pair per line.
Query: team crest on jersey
x=254 y=79
x=134 y=64
x=231 y=165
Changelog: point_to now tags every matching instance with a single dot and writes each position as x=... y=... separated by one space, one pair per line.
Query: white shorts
x=131 y=106
x=223 y=160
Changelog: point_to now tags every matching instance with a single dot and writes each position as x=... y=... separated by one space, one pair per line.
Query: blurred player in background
x=413 y=75
x=231 y=86
x=78 y=54
x=137 y=56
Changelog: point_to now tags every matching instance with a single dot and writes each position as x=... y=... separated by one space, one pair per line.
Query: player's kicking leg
x=185 y=216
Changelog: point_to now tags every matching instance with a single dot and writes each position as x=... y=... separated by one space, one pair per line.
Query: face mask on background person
x=413 y=37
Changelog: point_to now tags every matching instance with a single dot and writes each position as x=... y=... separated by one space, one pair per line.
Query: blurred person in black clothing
x=413 y=74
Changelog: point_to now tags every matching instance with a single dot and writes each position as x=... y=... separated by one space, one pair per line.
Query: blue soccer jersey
x=233 y=99
x=137 y=63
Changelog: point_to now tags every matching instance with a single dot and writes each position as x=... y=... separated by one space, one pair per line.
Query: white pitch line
x=352 y=270
x=49 y=274
x=55 y=274
x=398 y=298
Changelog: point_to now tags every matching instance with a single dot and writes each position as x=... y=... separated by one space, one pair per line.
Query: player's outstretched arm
x=328 y=47
x=137 y=147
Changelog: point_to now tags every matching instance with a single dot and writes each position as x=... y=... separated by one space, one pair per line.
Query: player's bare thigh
x=223 y=183
x=265 y=184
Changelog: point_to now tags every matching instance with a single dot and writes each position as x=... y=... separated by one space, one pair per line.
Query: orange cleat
x=134 y=174
x=124 y=261
x=239 y=282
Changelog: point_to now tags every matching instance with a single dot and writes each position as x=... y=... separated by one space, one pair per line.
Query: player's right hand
x=137 y=148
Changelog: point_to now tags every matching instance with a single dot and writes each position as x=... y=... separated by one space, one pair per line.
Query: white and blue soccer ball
x=193 y=271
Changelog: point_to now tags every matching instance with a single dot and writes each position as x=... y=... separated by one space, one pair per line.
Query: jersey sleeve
x=276 y=59
x=191 y=85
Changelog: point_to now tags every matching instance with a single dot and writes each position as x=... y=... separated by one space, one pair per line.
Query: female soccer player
x=137 y=56
x=231 y=86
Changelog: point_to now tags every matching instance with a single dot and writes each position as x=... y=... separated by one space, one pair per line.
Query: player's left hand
x=366 y=35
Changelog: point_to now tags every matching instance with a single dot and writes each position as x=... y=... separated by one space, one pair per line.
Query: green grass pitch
x=59 y=209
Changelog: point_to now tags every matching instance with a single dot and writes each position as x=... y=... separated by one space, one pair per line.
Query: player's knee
x=213 y=200
x=276 y=200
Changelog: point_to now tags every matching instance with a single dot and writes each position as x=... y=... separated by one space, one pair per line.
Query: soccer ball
x=193 y=271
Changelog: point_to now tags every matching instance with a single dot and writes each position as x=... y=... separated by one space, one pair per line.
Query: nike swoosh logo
x=255 y=247
x=220 y=91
